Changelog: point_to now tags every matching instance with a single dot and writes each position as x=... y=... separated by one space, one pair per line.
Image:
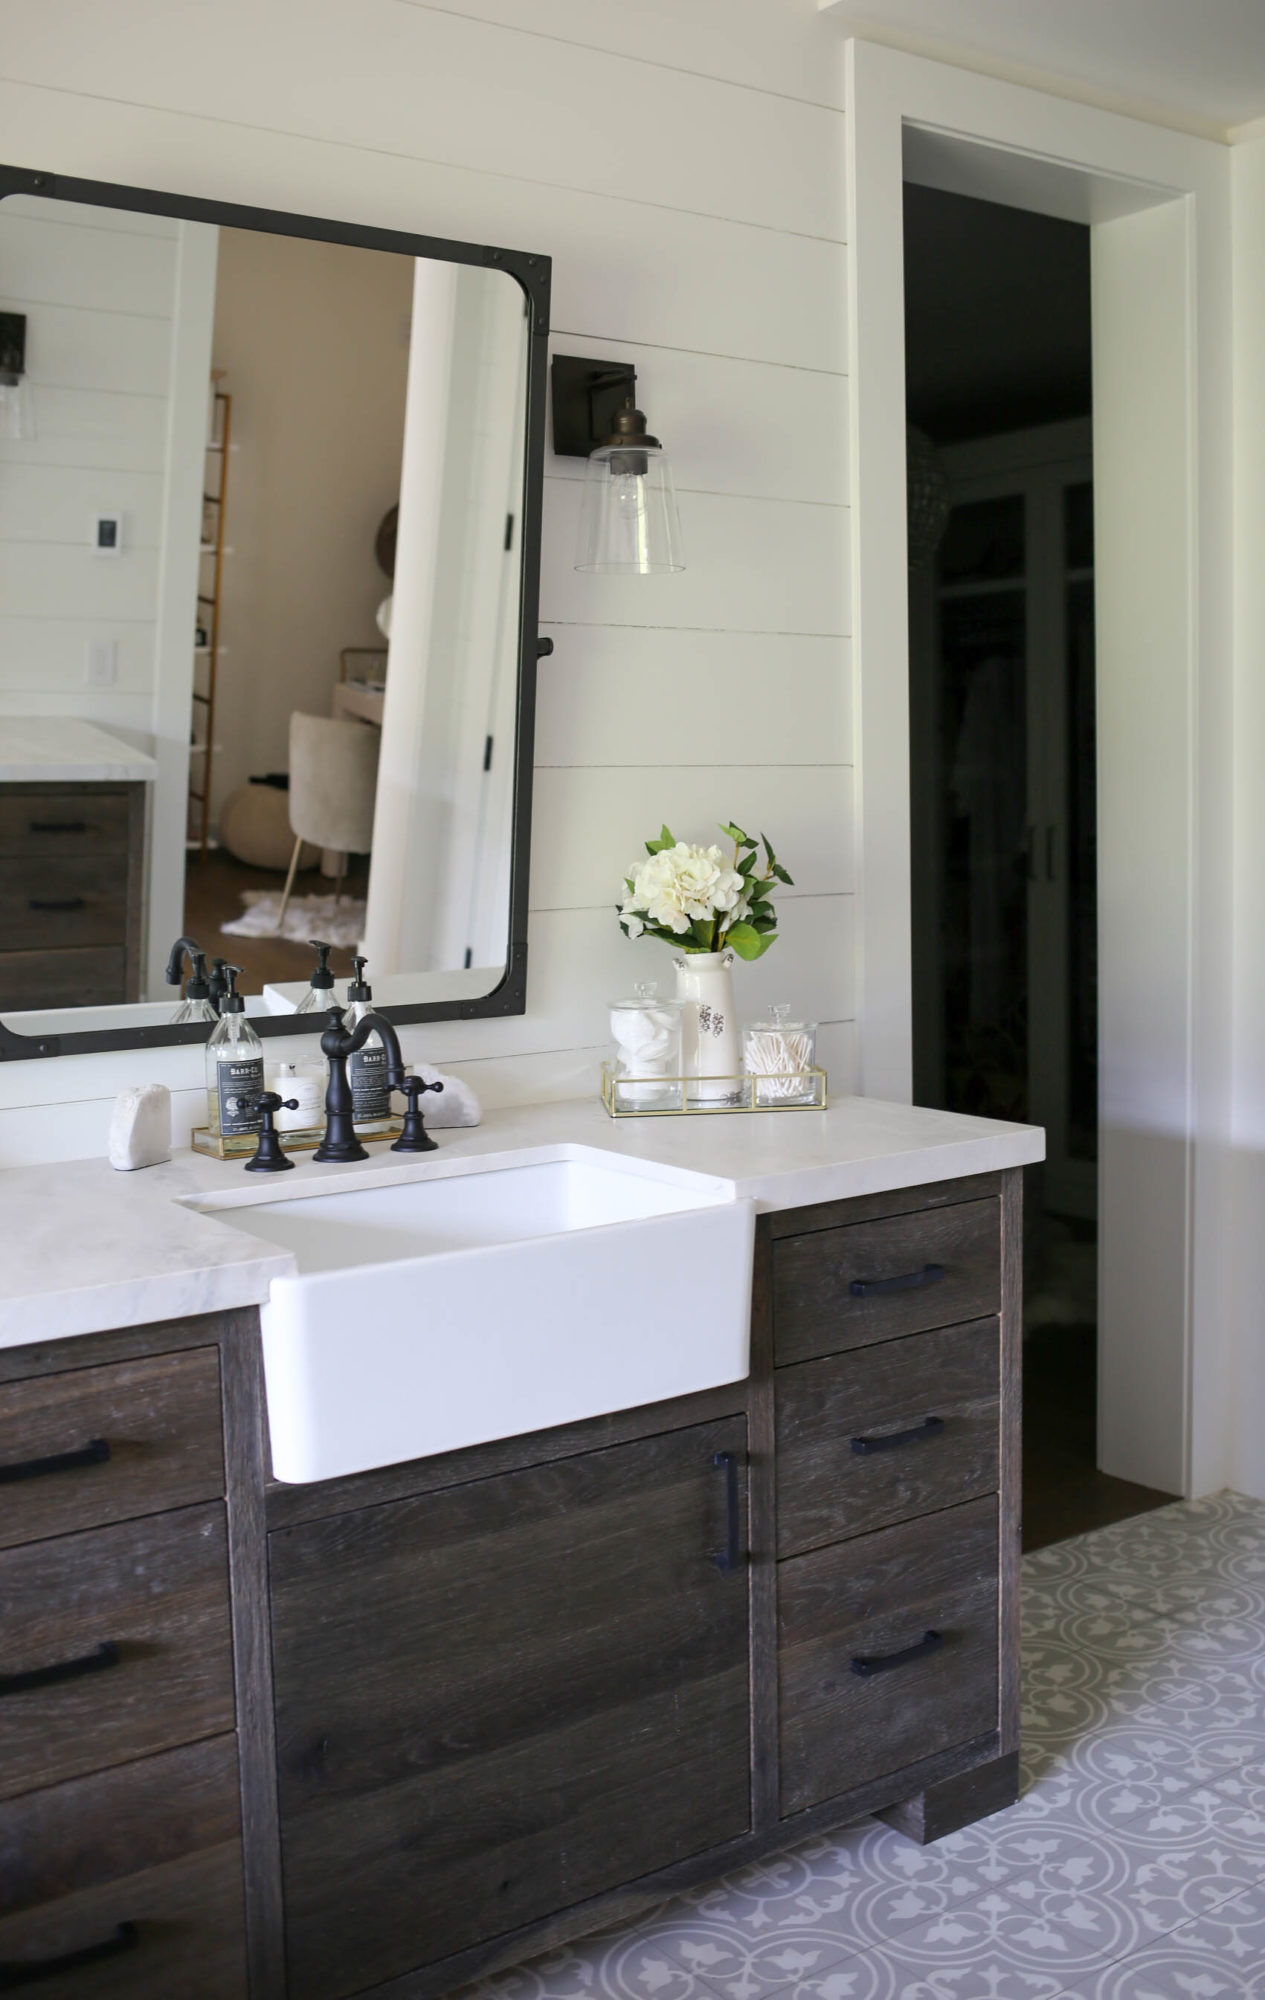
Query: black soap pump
x=196 y=1005
x=318 y=998
x=367 y=1067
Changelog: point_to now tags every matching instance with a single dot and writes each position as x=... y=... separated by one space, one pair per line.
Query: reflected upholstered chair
x=333 y=785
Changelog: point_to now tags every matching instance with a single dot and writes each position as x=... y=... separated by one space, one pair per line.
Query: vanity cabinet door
x=498 y=1700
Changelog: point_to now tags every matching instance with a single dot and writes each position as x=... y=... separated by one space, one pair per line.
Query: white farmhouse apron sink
x=446 y=1310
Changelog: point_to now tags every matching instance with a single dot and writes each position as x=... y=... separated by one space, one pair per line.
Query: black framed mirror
x=270 y=503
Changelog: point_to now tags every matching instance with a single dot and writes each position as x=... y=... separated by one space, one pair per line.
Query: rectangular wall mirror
x=269 y=554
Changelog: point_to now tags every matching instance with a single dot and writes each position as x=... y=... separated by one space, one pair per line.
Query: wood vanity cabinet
x=72 y=891
x=493 y=1700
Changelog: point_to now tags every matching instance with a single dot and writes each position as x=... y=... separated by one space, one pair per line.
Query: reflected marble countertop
x=61 y=750
x=87 y=1248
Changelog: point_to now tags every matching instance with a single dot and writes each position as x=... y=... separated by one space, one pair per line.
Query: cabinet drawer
x=886 y=1433
x=107 y=1444
x=114 y=1644
x=63 y=900
x=87 y=976
x=873 y=1601
x=154 y=1845
x=867 y=1281
x=73 y=821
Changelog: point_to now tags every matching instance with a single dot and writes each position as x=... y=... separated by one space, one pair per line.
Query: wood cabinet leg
x=957 y=1801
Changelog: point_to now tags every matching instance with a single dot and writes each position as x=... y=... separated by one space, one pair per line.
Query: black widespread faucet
x=338 y=1043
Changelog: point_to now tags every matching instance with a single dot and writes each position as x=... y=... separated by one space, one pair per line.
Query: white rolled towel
x=455 y=1104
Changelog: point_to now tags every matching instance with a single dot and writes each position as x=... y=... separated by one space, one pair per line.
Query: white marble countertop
x=59 y=749
x=87 y=1248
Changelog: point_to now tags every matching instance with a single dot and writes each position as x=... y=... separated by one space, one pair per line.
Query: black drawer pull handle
x=909 y=1281
x=730 y=1557
x=55 y=903
x=930 y=1429
x=95 y=1452
x=106 y=1655
x=15 y=1972
x=882 y=1663
x=57 y=826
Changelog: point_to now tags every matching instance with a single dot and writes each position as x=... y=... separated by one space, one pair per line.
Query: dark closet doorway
x=1003 y=812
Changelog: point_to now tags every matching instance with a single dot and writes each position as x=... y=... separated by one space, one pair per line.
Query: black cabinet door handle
x=730 y=1557
x=909 y=1281
x=882 y=1663
x=106 y=1655
x=15 y=1972
x=57 y=826
x=931 y=1428
x=95 y=1452
x=55 y=903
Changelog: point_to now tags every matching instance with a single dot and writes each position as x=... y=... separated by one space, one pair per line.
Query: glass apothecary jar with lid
x=781 y=1055
x=646 y=1030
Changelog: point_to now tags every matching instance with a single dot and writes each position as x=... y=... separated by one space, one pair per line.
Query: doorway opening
x=1003 y=768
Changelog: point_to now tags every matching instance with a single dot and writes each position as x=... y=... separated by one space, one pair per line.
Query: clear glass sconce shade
x=628 y=519
x=17 y=409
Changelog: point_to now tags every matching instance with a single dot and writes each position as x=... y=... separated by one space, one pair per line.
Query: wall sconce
x=628 y=519
x=17 y=411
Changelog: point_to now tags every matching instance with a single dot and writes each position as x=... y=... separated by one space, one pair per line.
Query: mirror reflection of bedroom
x=309 y=378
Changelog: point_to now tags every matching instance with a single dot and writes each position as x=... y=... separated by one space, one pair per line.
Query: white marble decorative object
x=455 y=1104
x=140 y=1130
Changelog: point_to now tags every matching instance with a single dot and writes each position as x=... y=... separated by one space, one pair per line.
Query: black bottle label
x=367 y=1075
x=241 y=1085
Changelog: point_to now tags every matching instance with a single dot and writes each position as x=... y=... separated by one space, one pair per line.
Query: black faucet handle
x=415 y=1138
x=269 y=1158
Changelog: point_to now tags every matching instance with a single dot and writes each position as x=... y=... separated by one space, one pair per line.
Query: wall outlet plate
x=101 y=663
x=107 y=534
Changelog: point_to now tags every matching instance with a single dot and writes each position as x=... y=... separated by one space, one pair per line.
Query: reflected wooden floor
x=213 y=896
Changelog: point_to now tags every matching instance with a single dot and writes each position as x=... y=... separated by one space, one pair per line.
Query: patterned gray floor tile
x=627 y=1968
x=1218 y=1956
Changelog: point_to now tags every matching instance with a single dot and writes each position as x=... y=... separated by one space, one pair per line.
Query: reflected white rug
x=306 y=917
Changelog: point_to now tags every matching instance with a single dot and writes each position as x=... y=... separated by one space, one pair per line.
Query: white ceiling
x=1197 y=63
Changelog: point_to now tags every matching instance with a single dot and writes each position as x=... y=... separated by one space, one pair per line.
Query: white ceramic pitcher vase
x=709 y=1030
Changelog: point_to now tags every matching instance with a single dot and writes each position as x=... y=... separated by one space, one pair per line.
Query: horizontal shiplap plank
x=739 y=427
x=612 y=694
x=790 y=48
x=85 y=215
x=750 y=566
x=76 y=347
x=57 y=503
x=590 y=827
x=460 y=91
x=46 y=580
x=45 y=658
x=111 y=270
x=621 y=270
x=92 y=428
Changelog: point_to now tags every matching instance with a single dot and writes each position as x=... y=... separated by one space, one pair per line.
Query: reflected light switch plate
x=101 y=663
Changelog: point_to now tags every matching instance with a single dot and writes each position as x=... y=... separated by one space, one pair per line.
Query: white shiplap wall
x=98 y=290
x=682 y=162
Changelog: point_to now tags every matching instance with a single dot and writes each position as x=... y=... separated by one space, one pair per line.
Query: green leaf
x=782 y=875
x=746 y=864
x=735 y=833
x=702 y=932
x=747 y=941
x=762 y=922
x=666 y=837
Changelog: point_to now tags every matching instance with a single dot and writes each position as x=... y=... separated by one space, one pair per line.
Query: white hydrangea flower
x=682 y=885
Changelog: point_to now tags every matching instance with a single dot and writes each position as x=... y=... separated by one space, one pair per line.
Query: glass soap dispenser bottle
x=196 y=1005
x=366 y=1067
x=319 y=997
x=234 y=1068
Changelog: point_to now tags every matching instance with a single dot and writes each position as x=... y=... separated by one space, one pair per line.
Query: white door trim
x=1006 y=142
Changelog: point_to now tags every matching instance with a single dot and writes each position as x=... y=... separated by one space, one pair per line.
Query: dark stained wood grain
x=873 y=1207
x=188 y=1918
x=92 y=888
x=877 y=1595
x=765 y=1809
x=956 y=1802
x=826 y=1491
x=1010 y=1550
x=65 y=1838
x=159 y=1415
x=87 y=976
x=157 y=1588
x=502 y=1699
x=43 y=822
x=815 y=1313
